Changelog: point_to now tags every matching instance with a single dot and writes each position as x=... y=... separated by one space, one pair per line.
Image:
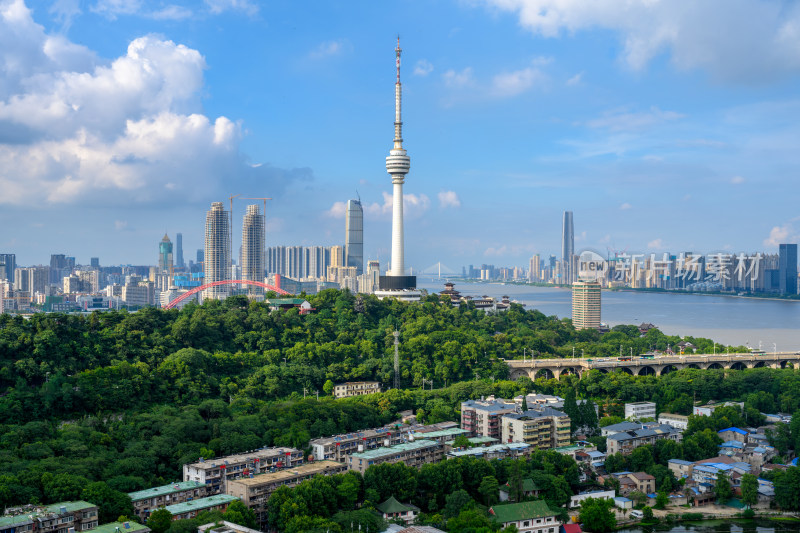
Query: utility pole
x=396 y=360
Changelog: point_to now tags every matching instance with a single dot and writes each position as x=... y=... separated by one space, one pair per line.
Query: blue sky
x=664 y=126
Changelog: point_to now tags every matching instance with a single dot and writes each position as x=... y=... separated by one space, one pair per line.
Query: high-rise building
x=253 y=244
x=318 y=260
x=788 y=268
x=94 y=262
x=535 y=268
x=567 y=248
x=58 y=266
x=217 y=256
x=179 y=251
x=165 y=261
x=396 y=283
x=586 y=304
x=8 y=262
x=354 y=236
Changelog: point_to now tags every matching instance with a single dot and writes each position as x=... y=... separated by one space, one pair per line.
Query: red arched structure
x=194 y=291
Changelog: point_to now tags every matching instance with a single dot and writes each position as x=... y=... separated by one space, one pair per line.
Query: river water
x=727 y=526
x=754 y=322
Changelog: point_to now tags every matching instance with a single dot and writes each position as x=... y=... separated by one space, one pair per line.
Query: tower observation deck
x=396 y=283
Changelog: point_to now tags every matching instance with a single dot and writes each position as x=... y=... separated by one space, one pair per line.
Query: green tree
x=111 y=503
x=638 y=497
x=239 y=513
x=749 y=486
x=489 y=489
x=457 y=502
x=328 y=387
x=159 y=520
x=647 y=511
x=597 y=516
x=461 y=442
x=662 y=499
x=722 y=488
x=471 y=521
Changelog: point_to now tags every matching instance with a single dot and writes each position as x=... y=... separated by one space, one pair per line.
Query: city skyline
x=645 y=138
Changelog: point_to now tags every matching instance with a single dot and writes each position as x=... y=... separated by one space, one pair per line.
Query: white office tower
x=218 y=251
x=396 y=283
x=252 y=261
x=567 y=249
x=354 y=236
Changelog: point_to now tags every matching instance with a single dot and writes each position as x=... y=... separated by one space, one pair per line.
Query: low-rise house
x=190 y=509
x=622 y=502
x=674 y=420
x=392 y=509
x=619 y=428
x=55 y=518
x=415 y=453
x=146 y=501
x=528 y=517
x=529 y=490
x=733 y=434
x=212 y=472
x=632 y=481
x=628 y=441
x=576 y=500
x=680 y=468
x=225 y=527
x=355 y=388
x=575 y=450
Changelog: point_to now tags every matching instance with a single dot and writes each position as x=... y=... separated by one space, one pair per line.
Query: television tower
x=396 y=283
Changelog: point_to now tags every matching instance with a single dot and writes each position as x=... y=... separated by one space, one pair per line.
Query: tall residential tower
x=396 y=283
x=217 y=257
x=253 y=245
x=165 y=262
x=354 y=236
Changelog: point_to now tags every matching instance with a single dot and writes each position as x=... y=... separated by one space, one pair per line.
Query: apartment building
x=528 y=517
x=190 y=509
x=255 y=491
x=355 y=388
x=640 y=410
x=415 y=453
x=482 y=417
x=543 y=428
x=56 y=518
x=512 y=450
x=146 y=501
x=213 y=472
x=628 y=441
x=338 y=447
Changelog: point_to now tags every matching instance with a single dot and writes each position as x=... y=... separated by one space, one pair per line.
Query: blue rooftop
x=737 y=430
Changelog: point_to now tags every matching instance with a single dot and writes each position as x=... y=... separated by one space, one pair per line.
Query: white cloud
x=72 y=131
x=423 y=68
x=330 y=48
x=219 y=6
x=413 y=205
x=744 y=41
x=337 y=210
x=623 y=120
x=737 y=180
x=656 y=244
x=781 y=235
x=513 y=83
x=576 y=79
x=64 y=11
x=449 y=199
x=458 y=79
x=625 y=206
x=120 y=224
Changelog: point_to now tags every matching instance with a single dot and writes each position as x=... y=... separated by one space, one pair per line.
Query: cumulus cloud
x=576 y=79
x=337 y=210
x=504 y=84
x=73 y=130
x=458 y=79
x=515 y=82
x=657 y=244
x=423 y=68
x=781 y=235
x=449 y=199
x=625 y=206
x=744 y=41
x=112 y=9
x=737 y=180
x=245 y=6
x=413 y=205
